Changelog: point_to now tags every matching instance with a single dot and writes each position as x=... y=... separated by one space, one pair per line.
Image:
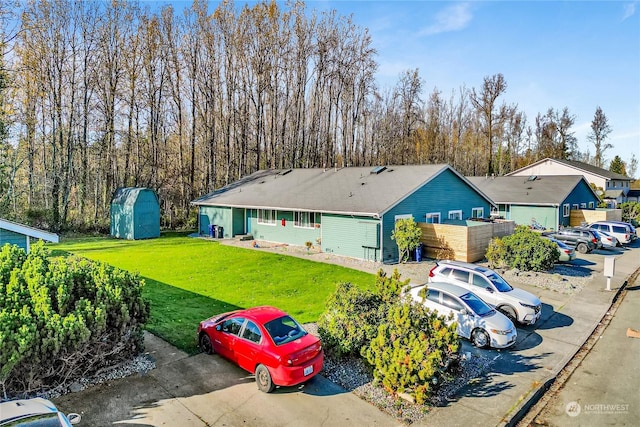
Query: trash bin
x=419 y=253
x=212 y=230
x=220 y=233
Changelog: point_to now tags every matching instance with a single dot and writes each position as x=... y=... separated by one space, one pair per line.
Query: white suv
x=516 y=304
x=620 y=230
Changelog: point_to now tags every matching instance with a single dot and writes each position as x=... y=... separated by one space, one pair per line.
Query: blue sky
x=575 y=54
x=553 y=54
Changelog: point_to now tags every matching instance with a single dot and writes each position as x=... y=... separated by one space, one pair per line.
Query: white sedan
x=476 y=320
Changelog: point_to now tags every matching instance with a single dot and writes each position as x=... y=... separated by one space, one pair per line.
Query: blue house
x=349 y=211
x=20 y=235
x=542 y=201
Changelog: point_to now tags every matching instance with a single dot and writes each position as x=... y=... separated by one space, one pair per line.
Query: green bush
x=407 y=235
x=64 y=318
x=413 y=350
x=524 y=249
x=349 y=321
x=407 y=347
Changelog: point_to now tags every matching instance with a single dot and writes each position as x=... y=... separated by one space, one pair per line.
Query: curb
x=528 y=410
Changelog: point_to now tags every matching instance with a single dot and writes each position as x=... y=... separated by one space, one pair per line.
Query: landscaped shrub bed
x=62 y=319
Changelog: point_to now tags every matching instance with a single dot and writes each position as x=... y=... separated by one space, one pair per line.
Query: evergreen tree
x=618 y=166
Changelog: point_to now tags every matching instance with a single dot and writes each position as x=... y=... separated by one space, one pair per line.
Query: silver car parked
x=516 y=304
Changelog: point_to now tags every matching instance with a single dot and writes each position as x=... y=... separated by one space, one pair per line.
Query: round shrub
x=524 y=249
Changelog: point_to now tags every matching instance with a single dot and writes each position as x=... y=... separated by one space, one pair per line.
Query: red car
x=265 y=341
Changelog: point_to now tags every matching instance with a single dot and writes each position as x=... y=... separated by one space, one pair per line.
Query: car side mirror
x=464 y=312
x=74 y=418
x=218 y=328
x=489 y=289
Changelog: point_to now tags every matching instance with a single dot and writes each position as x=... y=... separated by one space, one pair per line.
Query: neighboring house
x=538 y=201
x=135 y=213
x=20 y=235
x=614 y=185
x=348 y=211
x=633 y=196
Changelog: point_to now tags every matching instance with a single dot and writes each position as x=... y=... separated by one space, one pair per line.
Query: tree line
x=101 y=95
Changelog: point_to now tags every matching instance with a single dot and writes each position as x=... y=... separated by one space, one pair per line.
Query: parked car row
x=600 y=234
x=481 y=302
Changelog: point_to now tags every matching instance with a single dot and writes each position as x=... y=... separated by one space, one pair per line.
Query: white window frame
x=477 y=212
x=403 y=216
x=434 y=216
x=457 y=214
x=565 y=210
x=575 y=206
x=299 y=219
x=583 y=206
x=591 y=205
x=269 y=218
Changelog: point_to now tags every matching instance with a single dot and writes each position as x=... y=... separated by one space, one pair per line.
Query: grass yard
x=189 y=279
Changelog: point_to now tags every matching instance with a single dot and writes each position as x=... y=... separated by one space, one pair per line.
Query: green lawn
x=189 y=279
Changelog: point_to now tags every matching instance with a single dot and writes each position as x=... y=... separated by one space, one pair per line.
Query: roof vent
x=532 y=178
x=284 y=172
x=377 y=170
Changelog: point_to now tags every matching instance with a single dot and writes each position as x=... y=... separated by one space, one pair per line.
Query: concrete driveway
x=205 y=390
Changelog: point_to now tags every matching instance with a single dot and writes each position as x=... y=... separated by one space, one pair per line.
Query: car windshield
x=41 y=420
x=478 y=306
x=500 y=284
x=284 y=329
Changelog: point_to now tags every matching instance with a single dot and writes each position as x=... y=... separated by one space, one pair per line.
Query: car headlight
x=532 y=307
x=499 y=332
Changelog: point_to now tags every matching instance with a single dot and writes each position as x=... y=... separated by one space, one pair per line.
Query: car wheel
x=263 y=379
x=582 y=248
x=509 y=312
x=205 y=343
x=480 y=338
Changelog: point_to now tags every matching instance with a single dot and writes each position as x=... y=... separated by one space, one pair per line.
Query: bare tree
x=600 y=130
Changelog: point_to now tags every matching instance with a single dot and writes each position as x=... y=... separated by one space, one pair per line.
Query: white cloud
x=629 y=10
x=452 y=18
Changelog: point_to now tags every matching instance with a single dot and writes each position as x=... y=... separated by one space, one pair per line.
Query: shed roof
x=368 y=191
x=546 y=190
x=29 y=231
x=128 y=195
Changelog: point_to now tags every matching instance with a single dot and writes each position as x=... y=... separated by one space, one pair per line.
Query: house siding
x=13 y=238
x=352 y=236
x=446 y=192
x=284 y=230
x=218 y=216
x=546 y=216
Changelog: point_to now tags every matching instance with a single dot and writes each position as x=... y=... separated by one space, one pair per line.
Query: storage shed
x=135 y=213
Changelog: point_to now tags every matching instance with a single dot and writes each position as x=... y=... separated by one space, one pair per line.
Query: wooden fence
x=580 y=217
x=467 y=243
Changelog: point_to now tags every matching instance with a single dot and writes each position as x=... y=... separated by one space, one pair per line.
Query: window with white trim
x=565 y=210
x=591 y=205
x=304 y=219
x=404 y=216
x=432 y=218
x=477 y=213
x=455 y=214
x=267 y=216
x=583 y=206
x=575 y=206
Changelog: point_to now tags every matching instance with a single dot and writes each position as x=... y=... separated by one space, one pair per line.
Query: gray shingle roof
x=353 y=190
x=543 y=190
